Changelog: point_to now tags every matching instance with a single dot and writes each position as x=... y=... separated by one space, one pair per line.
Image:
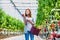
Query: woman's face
x=27 y=12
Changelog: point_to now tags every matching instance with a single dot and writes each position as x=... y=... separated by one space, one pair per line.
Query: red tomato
x=54 y=35
x=58 y=23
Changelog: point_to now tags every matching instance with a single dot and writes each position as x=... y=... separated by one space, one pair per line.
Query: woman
x=28 y=24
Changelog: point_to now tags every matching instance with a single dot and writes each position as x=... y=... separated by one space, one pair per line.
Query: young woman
x=28 y=20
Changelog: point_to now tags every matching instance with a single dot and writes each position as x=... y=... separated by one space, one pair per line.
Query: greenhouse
x=29 y=19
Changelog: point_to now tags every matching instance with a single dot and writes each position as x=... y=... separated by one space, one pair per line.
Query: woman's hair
x=29 y=12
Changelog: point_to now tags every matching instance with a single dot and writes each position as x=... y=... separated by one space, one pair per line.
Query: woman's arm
x=30 y=22
x=24 y=19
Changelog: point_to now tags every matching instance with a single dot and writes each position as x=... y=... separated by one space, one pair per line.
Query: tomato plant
x=44 y=9
x=10 y=23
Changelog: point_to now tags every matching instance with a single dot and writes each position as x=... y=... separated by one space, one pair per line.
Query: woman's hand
x=23 y=15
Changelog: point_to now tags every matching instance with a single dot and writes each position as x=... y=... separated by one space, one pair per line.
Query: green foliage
x=44 y=9
x=10 y=23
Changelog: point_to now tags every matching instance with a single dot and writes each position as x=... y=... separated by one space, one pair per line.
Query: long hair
x=29 y=12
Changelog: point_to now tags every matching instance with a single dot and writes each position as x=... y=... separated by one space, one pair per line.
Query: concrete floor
x=21 y=38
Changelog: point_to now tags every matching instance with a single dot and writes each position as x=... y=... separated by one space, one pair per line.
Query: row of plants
x=44 y=9
x=10 y=23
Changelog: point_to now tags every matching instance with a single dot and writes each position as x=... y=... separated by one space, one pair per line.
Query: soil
x=2 y=36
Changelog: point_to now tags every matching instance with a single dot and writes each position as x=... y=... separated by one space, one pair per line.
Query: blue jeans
x=27 y=36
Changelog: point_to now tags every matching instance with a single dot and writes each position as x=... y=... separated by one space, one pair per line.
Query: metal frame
x=15 y=7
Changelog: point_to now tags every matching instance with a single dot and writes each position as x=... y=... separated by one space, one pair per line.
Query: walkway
x=21 y=38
